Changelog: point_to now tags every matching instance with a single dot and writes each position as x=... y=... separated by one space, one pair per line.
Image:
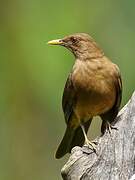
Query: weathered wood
x=115 y=158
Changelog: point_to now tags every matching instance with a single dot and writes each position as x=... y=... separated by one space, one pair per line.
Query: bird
x=93 y=88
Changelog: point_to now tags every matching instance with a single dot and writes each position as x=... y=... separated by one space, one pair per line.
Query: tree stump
x=115 y=157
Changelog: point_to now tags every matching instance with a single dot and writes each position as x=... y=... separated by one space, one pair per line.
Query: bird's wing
x=118 y=86
x=110 y=115
x=69 y=99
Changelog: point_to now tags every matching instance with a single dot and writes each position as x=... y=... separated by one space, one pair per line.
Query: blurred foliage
x=32 y=75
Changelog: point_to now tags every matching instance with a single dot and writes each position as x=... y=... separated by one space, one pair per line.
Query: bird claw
x=109 y=127
x=95 y=142
x=91 y=145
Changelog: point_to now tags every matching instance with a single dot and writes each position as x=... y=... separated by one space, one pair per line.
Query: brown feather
x=94 y=87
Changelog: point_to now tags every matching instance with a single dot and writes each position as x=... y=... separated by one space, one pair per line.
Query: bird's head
x=80 y=44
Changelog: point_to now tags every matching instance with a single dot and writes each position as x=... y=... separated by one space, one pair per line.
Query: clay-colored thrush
x=93 y=88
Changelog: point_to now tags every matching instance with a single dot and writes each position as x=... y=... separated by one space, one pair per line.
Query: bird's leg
x=87 y=141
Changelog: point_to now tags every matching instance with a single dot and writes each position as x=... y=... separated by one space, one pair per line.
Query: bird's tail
x=72 y=137
x=65 y=143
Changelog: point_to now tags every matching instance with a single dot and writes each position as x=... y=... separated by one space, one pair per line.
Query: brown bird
x=93 y=88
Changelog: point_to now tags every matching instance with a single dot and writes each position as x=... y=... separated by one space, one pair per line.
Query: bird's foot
x=95 y=142
x=109 y=127
x=91 y=145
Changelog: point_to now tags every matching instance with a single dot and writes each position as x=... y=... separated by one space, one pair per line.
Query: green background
x=33 y=74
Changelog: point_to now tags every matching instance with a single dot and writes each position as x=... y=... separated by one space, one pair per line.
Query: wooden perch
x=115 y=158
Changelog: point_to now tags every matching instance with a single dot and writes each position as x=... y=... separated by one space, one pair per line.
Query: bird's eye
x=73 y=39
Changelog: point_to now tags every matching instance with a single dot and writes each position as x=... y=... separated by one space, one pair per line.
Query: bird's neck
x=90 y=56
x=88 y=53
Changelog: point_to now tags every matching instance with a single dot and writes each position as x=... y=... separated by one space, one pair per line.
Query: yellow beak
x=55 y=42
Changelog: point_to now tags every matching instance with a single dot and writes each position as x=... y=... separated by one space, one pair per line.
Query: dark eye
x=74 y=40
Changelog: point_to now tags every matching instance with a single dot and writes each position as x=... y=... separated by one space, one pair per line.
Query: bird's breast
x=95 y=93
x=88 y=76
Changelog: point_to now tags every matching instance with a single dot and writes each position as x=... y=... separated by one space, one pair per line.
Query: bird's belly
x=93 y=104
